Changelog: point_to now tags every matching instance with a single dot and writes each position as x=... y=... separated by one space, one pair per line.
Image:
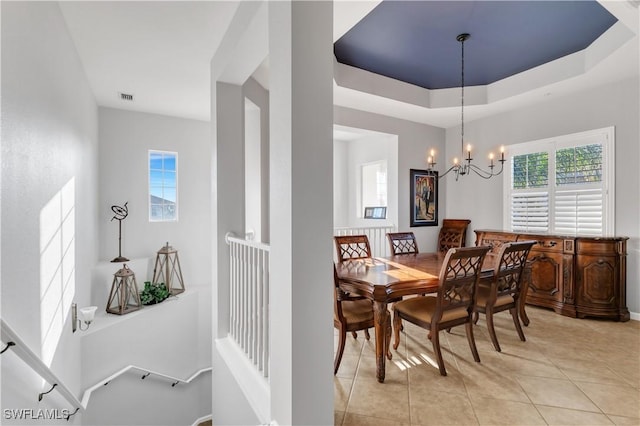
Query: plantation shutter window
x=562 y=185
x=530 y=212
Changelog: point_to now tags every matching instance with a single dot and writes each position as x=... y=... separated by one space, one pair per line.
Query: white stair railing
x=11 y=341
x=249 y=299
x=146 y=373
x=377 y=237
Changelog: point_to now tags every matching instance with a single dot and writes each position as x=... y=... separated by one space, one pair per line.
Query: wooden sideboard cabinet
x=574 y=276
x=601 y=277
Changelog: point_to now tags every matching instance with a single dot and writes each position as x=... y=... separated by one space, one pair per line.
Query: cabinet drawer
x=546 y=243
x=606 y=247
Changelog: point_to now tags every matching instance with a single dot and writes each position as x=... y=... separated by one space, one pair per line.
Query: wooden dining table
x=388 y=279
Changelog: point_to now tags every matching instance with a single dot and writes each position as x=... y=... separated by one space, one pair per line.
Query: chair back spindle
x=459 y=280
x=402 y=243
x=453 y=234
x=349 y=247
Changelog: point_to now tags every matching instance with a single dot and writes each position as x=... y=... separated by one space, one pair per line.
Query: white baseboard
x=635 y=316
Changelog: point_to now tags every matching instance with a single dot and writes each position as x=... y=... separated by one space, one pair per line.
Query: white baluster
x=249 y=300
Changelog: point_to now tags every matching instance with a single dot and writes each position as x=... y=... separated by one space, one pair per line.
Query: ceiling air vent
x=125 y=96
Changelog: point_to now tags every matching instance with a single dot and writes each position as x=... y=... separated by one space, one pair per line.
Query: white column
x=228 y=190
x=301 y=198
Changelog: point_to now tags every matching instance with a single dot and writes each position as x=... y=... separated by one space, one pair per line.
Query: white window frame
x=157 y=151
x=606 y=136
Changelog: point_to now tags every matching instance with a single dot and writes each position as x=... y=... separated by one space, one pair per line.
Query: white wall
x=49 y=137
x=414 y=140
x=228 y=216
x=372 y=147
x=301 y=99
x=125 y=140
x=615 y=104
x=130 y=401
x=252 y=169
x=348 y=158
x=230 y=405
x=166 y=338
x=299 y=36
x=340 y=183
x=260 y=97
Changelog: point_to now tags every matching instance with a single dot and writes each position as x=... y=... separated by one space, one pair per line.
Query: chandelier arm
x=484 y=173
x=501 y=168
x=456 y=168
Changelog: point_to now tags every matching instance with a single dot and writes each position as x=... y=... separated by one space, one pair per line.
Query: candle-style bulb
x=455 y=161
x=433 y=153
x=468 y=147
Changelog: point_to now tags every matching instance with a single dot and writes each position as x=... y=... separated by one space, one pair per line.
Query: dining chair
x=504 y=291
x=402 y=243
x=453 y=304
x=453 y=233
x=349 y=315
x=350 y=247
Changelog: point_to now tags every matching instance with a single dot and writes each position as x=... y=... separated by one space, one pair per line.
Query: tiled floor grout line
x=535 y=406
x=468 y=394
x=353 y=382
x=580 y=389
x=553 y=352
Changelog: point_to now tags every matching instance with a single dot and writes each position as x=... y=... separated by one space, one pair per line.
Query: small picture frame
x=375 y=212
x=423 y=198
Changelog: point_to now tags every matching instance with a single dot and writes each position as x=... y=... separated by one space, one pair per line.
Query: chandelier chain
x=462 y=39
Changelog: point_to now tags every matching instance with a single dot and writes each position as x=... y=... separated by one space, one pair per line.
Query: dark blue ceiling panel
x=415 y=41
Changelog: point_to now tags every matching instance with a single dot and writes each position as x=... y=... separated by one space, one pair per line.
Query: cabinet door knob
x=600 y=261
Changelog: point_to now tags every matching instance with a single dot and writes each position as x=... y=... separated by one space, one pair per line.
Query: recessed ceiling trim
x=552 y=72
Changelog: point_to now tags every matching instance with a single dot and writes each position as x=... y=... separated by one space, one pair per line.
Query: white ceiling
x=160 y=52
x=157 y=51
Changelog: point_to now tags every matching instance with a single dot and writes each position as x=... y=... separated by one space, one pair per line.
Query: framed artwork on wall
x=423 y=198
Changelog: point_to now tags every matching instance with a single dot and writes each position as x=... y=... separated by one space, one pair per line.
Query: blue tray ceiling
x=415 y=41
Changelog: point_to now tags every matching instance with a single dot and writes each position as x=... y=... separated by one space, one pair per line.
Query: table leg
x=382 y=324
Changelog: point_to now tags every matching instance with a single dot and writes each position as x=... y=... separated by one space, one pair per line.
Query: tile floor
x=569 y=372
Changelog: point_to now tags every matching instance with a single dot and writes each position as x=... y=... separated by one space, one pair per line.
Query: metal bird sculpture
x=120 y=214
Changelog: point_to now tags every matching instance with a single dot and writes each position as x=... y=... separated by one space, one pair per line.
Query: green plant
x=153 y=293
